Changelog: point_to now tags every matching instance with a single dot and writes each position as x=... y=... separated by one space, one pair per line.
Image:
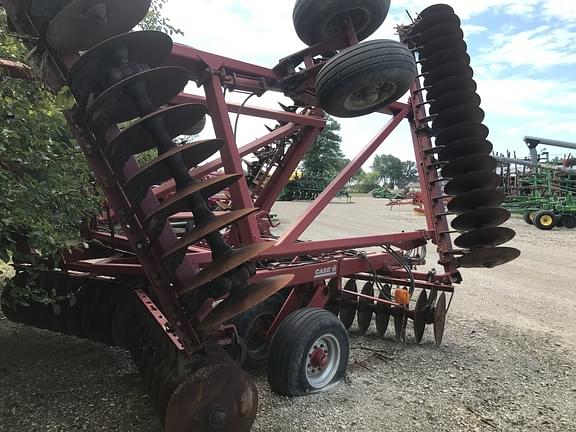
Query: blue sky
x=523 y=54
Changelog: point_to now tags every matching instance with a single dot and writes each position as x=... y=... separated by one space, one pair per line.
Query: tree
x=47 y=186
x=394 y=172
x=367 y=182
x=325 y=159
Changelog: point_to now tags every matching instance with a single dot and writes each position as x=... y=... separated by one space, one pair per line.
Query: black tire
x=527 y=218
x=290 y=370
x=319 y=20
x=545 y=220
x=252 y=326
x=569 y=220
x=365 y=78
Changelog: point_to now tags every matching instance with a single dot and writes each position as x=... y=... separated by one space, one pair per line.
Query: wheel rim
x=369 y=96
x=322 y=361
x=546 y=220
x=257 y=337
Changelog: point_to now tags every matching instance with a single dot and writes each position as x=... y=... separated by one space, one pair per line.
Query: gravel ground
x=507 y=362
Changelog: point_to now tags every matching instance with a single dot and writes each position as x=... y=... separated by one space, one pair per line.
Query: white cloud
x=261 y=32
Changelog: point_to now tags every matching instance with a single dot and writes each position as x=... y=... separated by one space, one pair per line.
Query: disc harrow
x=195 y=292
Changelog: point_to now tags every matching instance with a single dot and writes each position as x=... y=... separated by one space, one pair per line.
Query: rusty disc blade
x=218 y=397
x=333 y=304
x=460 y=68
x=429 y=47
x=348 y=304
x=485 y=237
x=82 y=24
x=138 y=139
x=469 y=164
x=474 y=180
x=364 y=315
x=461 y=131
x=488 y=257
x=158 y=171
x=178 y=202
x=144 y=47
x=420 y=316
x=480 y=198
x=453 y=98
x=440 y=319
x=243 y=300
x=383 y=312
x=224 y=264
x=481 y=218
x=399 y=324
x=200 y=231
x=457 y=114
x=442 y=57
x=116 y=104
x=449 y=84
x=465 y=147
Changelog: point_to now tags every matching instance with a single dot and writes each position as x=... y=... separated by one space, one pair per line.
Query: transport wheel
x=308 y=352
x=348 y=304
x=545 y=220
x=569 y=220
x=365 y=78
x=528 y=218
x=319 y=20
x=252 y=327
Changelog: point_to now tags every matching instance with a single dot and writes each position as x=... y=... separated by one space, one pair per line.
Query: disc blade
x=223 y=265
x=457 y=114
x=441 y=43
x=442 y=57
x=451 y=83
x=488 y=257
x=348 y=304
x=383 y=312
x=440 y=30
x=218 y=397
x=461 y=131
x=419 y=316
x=178 y=202
x=158 y=171
x=436 y=9
x=163 y=84
x=144 y=47
x=453 y=98
x=440 y=319
x=466 y=147
x=399 y=324
x=333 y=304
x=460 y=68
x=436 y=18
x=364 y=315
x=485 y=237
x=138 y=139
x=468 y=164
x=480 y=198
x=238 y=302
x=474 y=180
x=84 y=23
x=481 y=218
x=215 y=224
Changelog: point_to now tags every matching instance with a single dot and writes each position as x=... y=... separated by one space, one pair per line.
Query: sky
x=523 y=54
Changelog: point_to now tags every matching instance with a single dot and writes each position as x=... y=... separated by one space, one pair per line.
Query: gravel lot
x=507 y=362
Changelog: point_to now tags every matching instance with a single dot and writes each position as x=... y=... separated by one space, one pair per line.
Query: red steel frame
x=312 y=262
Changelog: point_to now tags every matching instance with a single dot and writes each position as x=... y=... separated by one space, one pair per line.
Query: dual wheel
x=363 y=78
x=547 y=219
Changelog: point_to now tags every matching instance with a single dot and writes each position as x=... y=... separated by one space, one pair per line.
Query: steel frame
x=312 y=262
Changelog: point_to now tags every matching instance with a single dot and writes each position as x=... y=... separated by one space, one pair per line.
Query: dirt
x=507 y=362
